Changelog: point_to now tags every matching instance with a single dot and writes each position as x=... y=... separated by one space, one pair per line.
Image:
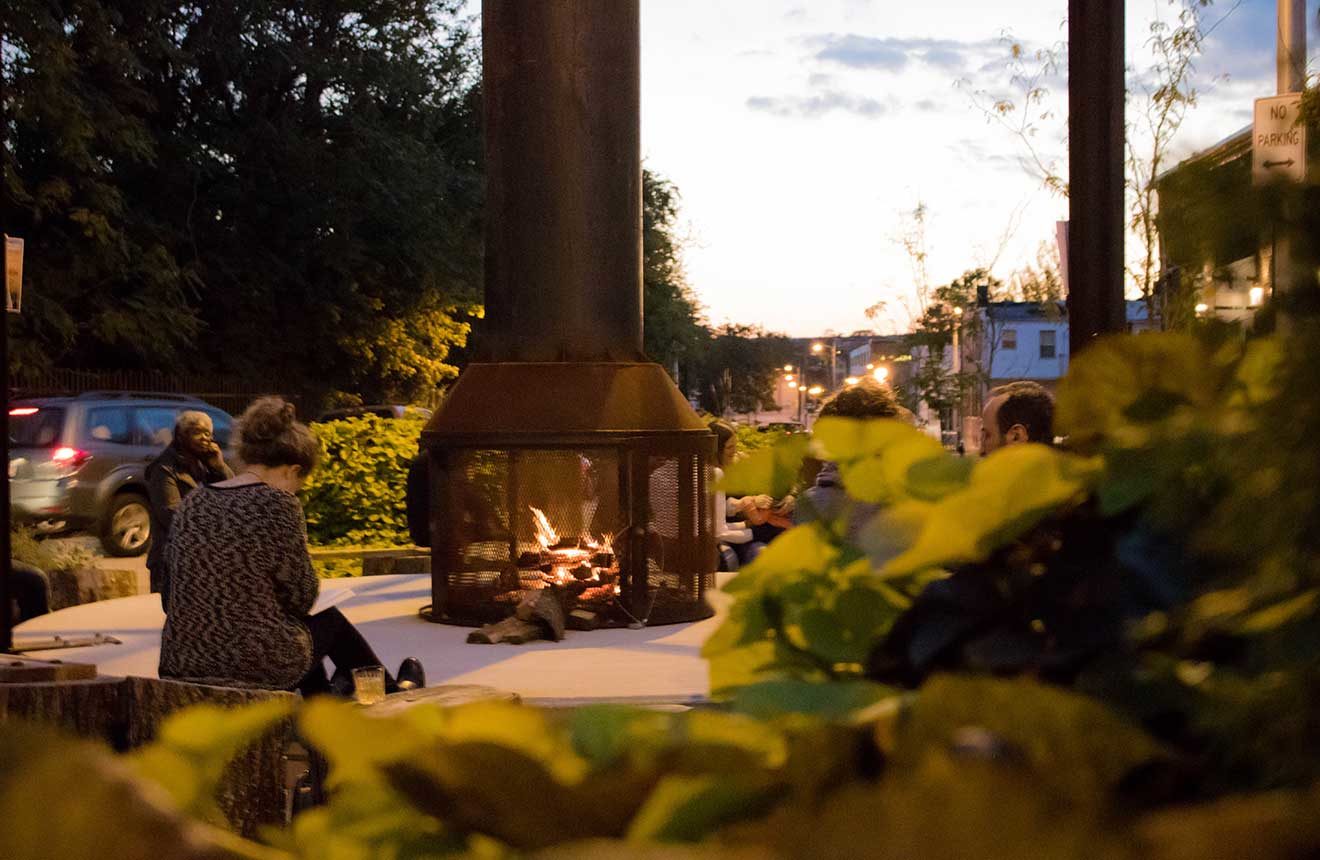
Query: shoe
x=411 y=675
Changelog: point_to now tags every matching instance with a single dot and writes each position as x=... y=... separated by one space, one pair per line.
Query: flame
x=546 y=535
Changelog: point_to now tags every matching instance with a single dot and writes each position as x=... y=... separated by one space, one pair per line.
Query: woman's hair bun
x=267 y=419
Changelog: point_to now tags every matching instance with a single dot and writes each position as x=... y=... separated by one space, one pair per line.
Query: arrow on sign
x=1288 y=163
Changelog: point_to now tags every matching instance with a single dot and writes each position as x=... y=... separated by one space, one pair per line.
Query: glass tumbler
x=369 y=685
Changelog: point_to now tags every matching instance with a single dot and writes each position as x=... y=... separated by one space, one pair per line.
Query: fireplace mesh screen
x=623 y=532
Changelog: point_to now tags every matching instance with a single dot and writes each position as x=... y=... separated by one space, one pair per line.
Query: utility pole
x=1290 y=66
x=1097 y=228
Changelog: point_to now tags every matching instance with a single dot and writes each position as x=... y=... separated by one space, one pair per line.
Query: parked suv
x=79 y=462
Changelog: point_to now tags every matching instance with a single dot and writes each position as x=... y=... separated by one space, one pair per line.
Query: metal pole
x=1291 y=50
x=1095 y=174
x=1290 y=64
x=6 y=566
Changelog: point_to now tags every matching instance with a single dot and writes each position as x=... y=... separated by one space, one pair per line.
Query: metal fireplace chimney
x=561 y=458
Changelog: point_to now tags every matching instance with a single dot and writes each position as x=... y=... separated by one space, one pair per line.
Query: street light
x=815 y=391
x=817 y=347
x=788 y=367
x=1202 y=307
x=881 y=374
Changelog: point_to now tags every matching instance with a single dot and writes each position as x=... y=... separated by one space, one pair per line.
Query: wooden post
x=1096 y=230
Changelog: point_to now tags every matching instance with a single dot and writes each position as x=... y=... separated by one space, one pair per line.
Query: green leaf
x=804 y=548
x=688 y=808
x=1280 y=614
x=194 y=746
x=1077 y=747
x=934 y=478
x=831 y=701
x=771 y=471
x=67 y=798
x=1009 y=493
x=1121 y=385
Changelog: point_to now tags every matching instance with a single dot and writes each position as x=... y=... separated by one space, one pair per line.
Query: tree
x=672 y=327
x=738 y=369
x=288 y=191
x=953 y=308
x=78 y=121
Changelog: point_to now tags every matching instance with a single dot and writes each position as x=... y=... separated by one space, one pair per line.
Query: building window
x=1008 y=340
x=1047 y=344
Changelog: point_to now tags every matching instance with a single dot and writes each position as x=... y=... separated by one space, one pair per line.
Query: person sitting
x=242 y=584
x=1017 y=413
x=731 y=535
x=191 y=459
x=29 y=590
x=826 y=498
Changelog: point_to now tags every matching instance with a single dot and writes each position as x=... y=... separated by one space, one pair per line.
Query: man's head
x=193 y=432
x=867 y=399
x=1015 y=413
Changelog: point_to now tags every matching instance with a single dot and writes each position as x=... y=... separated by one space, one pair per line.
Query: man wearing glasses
x=192 y=458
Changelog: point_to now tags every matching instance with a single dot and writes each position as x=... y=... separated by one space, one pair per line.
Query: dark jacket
x=170 y=477
x=417 y=500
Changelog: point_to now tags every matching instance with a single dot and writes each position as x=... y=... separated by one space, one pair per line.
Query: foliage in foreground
x=965 y=767
x=1103 y=652
x=356 y=494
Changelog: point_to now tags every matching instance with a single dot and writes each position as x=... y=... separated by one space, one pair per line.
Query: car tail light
x=24 y=410
x=66 y=461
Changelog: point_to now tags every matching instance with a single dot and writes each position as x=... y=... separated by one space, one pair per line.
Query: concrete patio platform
x=657 y=665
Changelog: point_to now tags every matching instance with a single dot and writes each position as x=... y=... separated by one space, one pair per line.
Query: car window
x=108 y=424
x=35 y=426
x=153 y=426
x=223 y=427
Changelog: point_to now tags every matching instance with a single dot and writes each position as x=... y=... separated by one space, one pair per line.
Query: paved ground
x=656 y=664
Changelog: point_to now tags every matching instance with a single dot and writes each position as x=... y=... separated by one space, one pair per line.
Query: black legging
x=334 y=636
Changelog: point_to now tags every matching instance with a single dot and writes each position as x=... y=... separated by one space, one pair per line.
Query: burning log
x=512 y=630
x=546 y=607
x=539 y=615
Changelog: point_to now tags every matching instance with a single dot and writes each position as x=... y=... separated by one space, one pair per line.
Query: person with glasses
x=190 y=460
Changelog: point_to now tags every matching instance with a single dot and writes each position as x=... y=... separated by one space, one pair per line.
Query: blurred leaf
x=804 y=548
x=1077 y=747
x=1279 y=825
x=830 y=701
x=1121 y=383
x=771 y=471
x=193 y=748
x=64 y=798
x=1282 y=613
x=1010 y=492
x=687 y=808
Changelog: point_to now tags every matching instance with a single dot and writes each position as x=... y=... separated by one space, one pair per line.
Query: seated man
x=1016 y=413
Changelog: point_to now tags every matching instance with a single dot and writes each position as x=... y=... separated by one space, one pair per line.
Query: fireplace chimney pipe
x=563 y=181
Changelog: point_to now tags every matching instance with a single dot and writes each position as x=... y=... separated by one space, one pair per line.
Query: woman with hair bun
x=242 y=583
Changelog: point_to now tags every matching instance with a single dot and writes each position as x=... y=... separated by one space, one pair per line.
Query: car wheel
x=127 y=528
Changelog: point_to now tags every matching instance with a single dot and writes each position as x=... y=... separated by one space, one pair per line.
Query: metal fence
x=231 y=394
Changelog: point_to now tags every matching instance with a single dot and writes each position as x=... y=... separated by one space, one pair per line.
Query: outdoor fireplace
x=561 y=460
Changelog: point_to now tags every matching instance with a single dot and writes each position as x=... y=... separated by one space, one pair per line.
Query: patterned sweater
x=241 y=583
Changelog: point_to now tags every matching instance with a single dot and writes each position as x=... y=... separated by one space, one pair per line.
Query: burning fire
x=569 y=563
x=546 y=535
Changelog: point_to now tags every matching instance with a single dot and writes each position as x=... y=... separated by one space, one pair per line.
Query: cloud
x=818 y=105
x=894 y=54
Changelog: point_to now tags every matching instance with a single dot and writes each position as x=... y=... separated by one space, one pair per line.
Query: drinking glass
x=369 y=685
